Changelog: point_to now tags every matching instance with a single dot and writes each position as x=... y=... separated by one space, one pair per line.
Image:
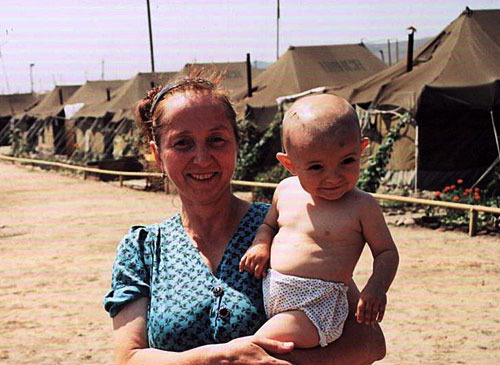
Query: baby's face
x=327 y=168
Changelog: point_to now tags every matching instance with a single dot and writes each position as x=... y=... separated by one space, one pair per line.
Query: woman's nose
x=202 y=155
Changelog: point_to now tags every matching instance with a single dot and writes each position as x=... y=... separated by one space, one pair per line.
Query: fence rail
x=472 y=209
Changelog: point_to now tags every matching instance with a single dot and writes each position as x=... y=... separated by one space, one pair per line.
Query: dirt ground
x=58 y=235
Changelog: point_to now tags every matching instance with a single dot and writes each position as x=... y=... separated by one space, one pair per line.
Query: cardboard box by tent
x=11 y=105
x=453 y=92
x=303 y=68
x=235 y=73
x=105 y=117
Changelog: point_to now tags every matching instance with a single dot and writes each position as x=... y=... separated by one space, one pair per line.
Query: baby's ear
x=365 y=142
x=284 y=159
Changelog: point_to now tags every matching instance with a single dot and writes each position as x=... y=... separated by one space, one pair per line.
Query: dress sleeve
x=131 y=270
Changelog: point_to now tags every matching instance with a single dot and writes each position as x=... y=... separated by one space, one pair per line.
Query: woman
x=177 y=296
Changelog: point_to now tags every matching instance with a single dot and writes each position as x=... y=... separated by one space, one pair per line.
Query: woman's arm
x=359 y=343
x=131 y=344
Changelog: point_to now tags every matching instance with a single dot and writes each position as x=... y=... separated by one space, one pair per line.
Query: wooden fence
x=472 y=209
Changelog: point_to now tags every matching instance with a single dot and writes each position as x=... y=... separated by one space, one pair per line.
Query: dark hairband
x=174 y=85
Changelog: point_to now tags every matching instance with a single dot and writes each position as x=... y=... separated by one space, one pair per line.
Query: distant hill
x=375 y=48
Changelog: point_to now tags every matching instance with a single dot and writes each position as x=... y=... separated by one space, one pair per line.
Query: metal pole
x=382 y=55
x=31 y=76
x=389 y=51
x=397 y=50
x=249 y=76
x=278 y=31
x=102 y=69
x=409 y=54
x=151 y=39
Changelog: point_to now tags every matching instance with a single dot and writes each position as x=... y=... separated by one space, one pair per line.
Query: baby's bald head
x=319 y=117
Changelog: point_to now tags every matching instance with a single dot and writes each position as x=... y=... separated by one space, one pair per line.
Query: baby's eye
x=348 y=160
x=315 y=167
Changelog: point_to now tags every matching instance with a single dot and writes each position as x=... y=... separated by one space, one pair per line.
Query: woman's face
x=198 y=147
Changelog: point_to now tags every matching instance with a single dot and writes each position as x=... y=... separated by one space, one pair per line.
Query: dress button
x=217 y=290
x=224 y=312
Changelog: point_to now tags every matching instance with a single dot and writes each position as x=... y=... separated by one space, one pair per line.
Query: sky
x=71 y=41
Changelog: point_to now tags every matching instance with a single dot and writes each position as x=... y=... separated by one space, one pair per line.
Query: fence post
x=121 y=181
x=84 y=175
x=472 y=222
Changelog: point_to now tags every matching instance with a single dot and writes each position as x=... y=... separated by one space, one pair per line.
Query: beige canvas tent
x=453 y=92
x=99 y=125
x=235 y=73
x=304 y=68
x=11 y=105
x=49 y=111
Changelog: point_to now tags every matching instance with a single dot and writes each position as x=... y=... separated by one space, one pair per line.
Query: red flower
x=459 y=181
x=446 y=188
x=476 y=196
x=437 y=194
x=456 y=198
x=452 y=187
x=476 y=189
x=465 y=193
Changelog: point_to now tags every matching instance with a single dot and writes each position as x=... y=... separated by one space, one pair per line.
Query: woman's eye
x=217 y=141
x=315 y=167
x=182 y=144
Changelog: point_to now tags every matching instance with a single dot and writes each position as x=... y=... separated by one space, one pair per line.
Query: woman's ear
x=284 y=159
x=156 y=154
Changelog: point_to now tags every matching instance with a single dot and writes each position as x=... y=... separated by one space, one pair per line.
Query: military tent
x=101 y=123
x=235 y=73
x=89 y=95
x=11 y=105
x=48 y=113
x=303 y=68
x=453 y=93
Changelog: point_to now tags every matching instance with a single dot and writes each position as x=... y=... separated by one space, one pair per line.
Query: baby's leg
x=291 y=326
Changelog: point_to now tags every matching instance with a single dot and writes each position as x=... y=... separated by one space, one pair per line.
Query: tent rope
x=498 y=149
x=495 y=131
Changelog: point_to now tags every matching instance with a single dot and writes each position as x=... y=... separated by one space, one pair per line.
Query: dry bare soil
x=57 y=240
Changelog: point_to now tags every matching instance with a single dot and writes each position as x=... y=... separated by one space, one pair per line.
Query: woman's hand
x=254 y=350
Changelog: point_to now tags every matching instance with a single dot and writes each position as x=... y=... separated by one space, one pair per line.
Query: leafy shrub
x=254 y=147
x=457 y=193
x=274 y=175
x=369 y=179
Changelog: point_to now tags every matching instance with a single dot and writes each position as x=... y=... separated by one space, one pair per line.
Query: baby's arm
x=373 y=299
x=256 y=259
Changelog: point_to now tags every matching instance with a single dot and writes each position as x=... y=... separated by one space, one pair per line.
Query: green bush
x=369 y=179
x=274 y=175
x=457 y=193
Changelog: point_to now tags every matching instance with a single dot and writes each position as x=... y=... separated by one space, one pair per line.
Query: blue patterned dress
x=189 y=305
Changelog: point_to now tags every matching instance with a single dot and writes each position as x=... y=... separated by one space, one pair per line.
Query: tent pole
x=416 y=157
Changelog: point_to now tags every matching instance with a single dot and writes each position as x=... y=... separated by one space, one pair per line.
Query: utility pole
x=31 y=76
x=151 y=39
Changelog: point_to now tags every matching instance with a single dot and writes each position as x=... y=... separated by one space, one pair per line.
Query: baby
x=318 y=225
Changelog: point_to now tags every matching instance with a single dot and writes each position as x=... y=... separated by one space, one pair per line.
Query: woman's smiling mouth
x=202 y=177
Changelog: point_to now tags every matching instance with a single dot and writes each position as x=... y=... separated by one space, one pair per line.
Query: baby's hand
x=371 y=305
x=256 y=260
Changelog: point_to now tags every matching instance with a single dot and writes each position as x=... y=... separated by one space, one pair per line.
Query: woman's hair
x=150 y=110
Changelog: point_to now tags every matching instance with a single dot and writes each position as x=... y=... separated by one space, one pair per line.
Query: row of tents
x=452 y=94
